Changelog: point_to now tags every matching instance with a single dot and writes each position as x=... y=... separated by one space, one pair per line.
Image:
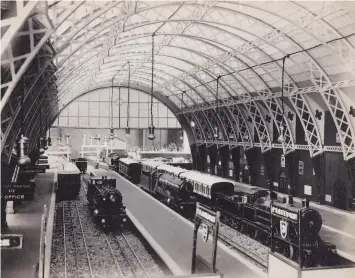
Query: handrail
x=42 y=243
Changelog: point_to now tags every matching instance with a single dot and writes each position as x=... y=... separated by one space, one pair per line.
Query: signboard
x=205 y=214
x=328 y=198
x=18 y=191
x=300 y=167
x=284 y=213
x=262 y=170
x=283 y=162
x=208 y=220
x=11 y=241
x=32 y=170
x=308 y=190
x=42 y=166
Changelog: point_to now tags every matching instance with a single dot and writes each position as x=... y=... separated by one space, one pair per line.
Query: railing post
x=41 y=249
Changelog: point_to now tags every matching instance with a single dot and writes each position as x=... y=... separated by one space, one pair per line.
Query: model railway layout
x=244 y=209
x=81 y=248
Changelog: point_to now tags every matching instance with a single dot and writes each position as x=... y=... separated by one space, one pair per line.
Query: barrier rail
x=42 y=243
x=45 y=246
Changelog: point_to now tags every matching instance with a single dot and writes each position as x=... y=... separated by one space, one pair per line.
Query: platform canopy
x=218 y=65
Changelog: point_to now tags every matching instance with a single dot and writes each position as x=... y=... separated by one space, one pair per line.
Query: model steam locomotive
x=248 y=209
x=105 y=202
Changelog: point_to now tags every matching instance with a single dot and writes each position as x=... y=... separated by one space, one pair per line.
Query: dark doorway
x=245 y=176
x=339 y=194
x=283 y=182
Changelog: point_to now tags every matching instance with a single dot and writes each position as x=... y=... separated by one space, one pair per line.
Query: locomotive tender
x=105 y=202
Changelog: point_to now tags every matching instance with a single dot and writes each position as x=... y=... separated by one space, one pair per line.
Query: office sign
x=18 y=191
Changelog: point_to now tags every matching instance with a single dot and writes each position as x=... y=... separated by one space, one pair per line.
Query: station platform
x=21 y=263
x=171 y=235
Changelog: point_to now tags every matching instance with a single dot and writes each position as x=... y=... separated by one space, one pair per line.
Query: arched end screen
x=94 y=110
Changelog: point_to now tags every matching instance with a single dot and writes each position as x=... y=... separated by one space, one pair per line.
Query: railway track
x=252 y=250
x=259 y=260
x=81 y=249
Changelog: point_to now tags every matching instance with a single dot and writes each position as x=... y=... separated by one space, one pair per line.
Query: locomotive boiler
x=295 y=230
x=175 y=193
x=105 y=202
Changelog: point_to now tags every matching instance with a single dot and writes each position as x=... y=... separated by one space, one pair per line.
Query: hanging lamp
x=216 y=131
x=41 y=140
x=23 y=158
x=151 y=128
x=281 y=138
x=182 y=130
x=128 y=129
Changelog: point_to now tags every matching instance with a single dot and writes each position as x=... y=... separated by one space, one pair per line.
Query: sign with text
x=11 y=241
x=18 y=191
x=284 y=213
x=205 y=214
x=208 y=220
x=42 y=166
x=32 y=170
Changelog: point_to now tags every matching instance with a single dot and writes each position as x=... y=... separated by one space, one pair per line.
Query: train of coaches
x=245 y=208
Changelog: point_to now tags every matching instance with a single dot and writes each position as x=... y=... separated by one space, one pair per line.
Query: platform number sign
x=208 y=221
x=205 y=232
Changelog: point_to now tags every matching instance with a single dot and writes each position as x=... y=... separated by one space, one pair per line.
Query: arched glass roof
x=227 y=55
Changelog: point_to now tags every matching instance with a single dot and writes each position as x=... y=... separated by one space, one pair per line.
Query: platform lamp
x=49 y=139
x=128 y=129
x=151 y=128
x=23 y=143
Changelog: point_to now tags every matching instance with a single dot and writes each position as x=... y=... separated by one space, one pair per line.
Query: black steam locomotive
x=243 y=207
x=105 y=202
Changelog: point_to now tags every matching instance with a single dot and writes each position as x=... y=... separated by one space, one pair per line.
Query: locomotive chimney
x=305 y=203
x=290 y=200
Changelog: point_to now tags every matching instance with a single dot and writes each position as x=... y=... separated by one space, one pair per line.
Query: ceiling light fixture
x=151 y=128
x=128 y=129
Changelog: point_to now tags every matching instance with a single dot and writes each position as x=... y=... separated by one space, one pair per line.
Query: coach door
x=283 y=182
